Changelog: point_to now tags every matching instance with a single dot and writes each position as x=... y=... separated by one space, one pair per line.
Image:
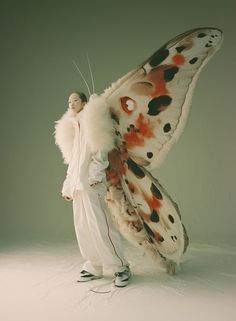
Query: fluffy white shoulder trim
x=64 y=135
x=99 y=126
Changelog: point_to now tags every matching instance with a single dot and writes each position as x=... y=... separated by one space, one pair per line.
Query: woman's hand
x=66 y=198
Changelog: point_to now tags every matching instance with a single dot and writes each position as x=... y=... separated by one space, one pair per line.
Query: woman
x=85 y=184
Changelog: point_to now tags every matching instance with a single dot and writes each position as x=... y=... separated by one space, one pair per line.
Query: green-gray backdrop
x=39 y=40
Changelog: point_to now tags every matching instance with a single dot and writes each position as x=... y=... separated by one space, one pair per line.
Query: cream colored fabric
x=84 y=167
x=98 y=239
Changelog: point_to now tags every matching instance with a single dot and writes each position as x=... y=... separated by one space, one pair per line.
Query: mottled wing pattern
x=149 y=107
x=151 y=217
x=151 y=103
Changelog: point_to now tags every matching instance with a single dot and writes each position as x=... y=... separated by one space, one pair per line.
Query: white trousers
x=98 y=239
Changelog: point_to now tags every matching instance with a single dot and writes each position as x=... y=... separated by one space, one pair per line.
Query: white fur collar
x=64 y=135
x=98 y=124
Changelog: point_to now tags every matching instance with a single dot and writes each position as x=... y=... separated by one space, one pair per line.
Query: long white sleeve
x=66 y=188
x=64 y=135
x=97 y=166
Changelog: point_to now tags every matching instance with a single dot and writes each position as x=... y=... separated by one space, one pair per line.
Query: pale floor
x=39 y=284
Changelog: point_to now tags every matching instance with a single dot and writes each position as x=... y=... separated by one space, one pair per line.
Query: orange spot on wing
x=178 y=59
x=124 y=105
x=116 y=167
x=160 y=89
x=153 y=202
x=144 y=126
x=132 y=187
x=133 y=138
x=136 y=136
x=158 y=237
x=112 y=177
x=156 y=77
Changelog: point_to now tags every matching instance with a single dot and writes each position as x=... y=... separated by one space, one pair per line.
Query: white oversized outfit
x=98 y=239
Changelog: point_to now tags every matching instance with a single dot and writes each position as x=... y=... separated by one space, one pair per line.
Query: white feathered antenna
x=81 y=74
x=90 y=71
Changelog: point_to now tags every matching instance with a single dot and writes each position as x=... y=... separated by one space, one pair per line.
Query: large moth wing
x=149 y=107
x=145 y=213
x=150 y=104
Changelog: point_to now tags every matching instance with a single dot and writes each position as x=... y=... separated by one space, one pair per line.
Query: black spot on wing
x=131 y=127
x=180 y=49
x=158 y=57
x=154 y=216
x=160 y=238
x=201 y=35
x=149 y=154
x=171 y=218
x=138 y=172
x=170 y=73
x=118 y=133
x=158 y=104
x=131 y=188
x=174 y=238
x=148 y=230
x=155 y=191
x=115 y=117
x=192 y=61
x=167 y=128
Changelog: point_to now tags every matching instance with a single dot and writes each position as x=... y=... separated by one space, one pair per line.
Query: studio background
x=40 y=39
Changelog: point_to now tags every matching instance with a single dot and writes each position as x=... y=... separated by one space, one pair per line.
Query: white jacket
x=84 y=147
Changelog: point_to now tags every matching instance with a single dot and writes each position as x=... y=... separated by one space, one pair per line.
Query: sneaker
x=87 y=276
x=122 y=278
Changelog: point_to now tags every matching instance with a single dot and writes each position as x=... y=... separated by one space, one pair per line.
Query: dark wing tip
x=200 y=32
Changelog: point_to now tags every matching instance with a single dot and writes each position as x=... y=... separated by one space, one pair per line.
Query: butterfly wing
x=150 y=104
x=145 y=213
x=149 y=107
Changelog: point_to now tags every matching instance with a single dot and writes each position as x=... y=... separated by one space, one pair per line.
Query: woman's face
x=75 y=103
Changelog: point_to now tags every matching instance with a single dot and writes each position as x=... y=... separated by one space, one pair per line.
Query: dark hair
x=82 y=96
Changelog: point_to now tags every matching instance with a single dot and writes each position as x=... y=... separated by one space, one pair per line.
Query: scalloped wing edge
x=185 y=112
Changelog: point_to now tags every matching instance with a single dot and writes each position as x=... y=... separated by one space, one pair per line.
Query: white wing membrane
x=160 y=93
